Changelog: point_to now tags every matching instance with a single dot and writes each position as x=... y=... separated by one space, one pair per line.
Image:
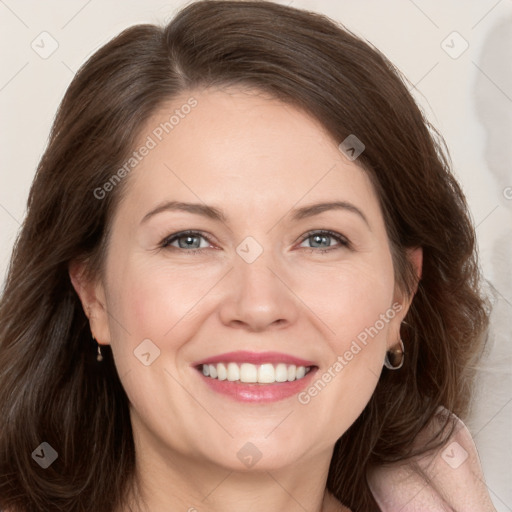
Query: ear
x=92 y=297
x=401 y=300
x=415 y=256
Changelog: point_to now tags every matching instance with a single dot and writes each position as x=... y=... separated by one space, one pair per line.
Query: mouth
x=254 y=378
x=248 y=373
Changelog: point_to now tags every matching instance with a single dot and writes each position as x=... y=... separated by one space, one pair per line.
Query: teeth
x=266 y=374
x=246 y=372
x=281 y=373
x=222 y=373
x=233 y=372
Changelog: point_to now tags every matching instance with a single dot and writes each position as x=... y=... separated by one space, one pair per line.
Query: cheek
x=356 y=303
x=152 y=299
x=364 y=320
x=351 y=299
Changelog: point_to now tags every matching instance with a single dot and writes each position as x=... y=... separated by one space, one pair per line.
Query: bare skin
x=257 y=160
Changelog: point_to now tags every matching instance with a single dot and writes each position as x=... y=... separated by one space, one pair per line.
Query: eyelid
x=192 y=232
x=341 y=239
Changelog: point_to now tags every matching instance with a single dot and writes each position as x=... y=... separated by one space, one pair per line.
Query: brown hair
x=51 y=387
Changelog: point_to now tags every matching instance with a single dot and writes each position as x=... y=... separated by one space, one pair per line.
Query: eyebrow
x=216 y=214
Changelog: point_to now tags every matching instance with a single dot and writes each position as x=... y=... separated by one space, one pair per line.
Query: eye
x=320 y=239
x=187 y=240
x=190 y=241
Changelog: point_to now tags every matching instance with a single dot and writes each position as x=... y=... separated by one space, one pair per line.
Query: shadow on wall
x=493 y=405
x=493 y=105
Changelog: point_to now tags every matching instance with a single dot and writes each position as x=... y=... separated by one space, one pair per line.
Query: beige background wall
x=467 y=94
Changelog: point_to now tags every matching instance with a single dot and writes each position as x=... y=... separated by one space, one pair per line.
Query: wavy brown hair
x=51 y=387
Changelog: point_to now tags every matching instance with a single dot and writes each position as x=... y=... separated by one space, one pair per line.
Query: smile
x=267 y=373
x=255 y=377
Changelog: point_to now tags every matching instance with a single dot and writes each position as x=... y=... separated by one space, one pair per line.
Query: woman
x=248 y=212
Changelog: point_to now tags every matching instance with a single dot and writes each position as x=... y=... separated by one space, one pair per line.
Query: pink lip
x=242 y=356
x=258 y=393
x=255 y=392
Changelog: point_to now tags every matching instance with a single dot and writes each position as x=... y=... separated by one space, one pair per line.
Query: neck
x=170 y=481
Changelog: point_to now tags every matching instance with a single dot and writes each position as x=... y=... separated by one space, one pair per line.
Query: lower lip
x=258 y=393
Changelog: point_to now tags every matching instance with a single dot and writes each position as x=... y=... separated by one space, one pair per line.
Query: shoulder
x=449 y=478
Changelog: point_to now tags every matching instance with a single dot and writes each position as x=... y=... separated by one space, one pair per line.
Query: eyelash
x=166 y=243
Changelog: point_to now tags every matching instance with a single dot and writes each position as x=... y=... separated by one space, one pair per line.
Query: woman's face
x=246 y=171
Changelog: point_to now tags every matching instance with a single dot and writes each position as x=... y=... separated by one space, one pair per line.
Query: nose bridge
x=258 y=259
x=258 y=296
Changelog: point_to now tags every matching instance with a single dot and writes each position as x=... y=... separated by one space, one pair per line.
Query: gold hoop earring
x=394 y=359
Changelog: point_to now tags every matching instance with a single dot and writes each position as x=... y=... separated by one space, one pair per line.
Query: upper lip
x=257 y=358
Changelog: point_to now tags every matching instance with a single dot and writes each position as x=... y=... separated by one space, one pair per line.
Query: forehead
x=242 y=148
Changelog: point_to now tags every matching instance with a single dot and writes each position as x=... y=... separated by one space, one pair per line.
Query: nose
x=258 y=297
